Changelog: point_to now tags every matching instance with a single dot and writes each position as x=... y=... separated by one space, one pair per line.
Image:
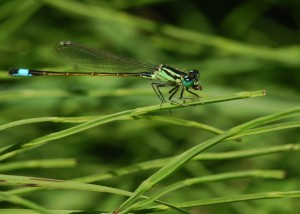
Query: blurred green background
x=236 y=45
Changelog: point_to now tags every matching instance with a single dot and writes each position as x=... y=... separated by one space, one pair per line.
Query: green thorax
x=168 y=74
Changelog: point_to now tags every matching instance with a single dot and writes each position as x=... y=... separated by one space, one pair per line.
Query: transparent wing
x=91 y=59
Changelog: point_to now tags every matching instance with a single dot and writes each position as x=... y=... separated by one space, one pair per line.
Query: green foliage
x=106 y=144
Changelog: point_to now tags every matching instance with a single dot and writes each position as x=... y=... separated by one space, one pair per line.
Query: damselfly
x=100 y=63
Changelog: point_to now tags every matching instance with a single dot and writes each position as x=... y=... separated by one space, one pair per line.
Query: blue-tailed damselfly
x=100 y=63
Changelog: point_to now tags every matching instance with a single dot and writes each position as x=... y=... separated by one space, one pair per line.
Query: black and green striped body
x=101 y=64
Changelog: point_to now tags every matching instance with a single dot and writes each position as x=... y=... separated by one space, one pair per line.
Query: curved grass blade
x=227 y=199
x=271 y=174
x=13 y=180
x=12 y=150
x=25 y=203
x=180 y=160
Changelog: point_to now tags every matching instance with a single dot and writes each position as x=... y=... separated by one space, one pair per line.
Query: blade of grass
x=12 y=180
x=181 y=159
x=161 y=162
x=271 y=128
x=48 y=119
x=17 y=148
x=172 y=120
x=22 y=202
x=181 y=122
x=51 y=163
x=27 y=211
x=271 y=174
x=226 y=199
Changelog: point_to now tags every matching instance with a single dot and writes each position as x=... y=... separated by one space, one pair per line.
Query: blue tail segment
x=22 y=72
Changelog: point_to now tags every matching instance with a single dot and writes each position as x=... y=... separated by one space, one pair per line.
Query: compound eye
x=194 y=74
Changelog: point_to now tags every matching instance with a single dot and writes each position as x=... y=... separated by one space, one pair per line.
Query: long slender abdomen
x=23 y=72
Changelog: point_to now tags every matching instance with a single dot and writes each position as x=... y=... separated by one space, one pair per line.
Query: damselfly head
x=195 y=75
